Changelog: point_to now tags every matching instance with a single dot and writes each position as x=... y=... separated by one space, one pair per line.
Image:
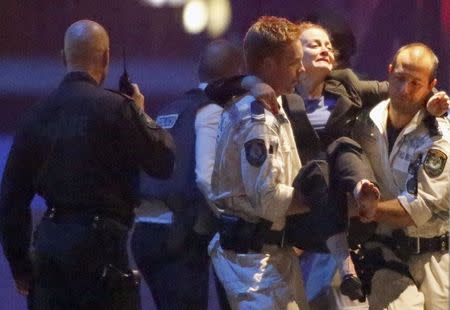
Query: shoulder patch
x=167 y=121
x=255 y=152
x=257 y=111
x=434 y=162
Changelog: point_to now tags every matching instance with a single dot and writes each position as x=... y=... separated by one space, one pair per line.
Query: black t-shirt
x=392 y=134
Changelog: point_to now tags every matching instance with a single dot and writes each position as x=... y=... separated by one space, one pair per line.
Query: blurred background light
x=195 y=16
x=155 y=3
x=175 y=3
x=219 y=17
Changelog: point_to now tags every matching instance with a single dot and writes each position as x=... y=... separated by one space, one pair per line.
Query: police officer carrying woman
x=81 y=150
x=330 y=107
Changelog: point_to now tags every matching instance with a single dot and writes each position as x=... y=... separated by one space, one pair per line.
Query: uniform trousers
x=176 y=271
x=266 y=280
x=427 y=289
x=82 y=264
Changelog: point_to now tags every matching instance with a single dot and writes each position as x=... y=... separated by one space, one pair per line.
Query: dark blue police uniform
x=173 y=257
x=81 y=150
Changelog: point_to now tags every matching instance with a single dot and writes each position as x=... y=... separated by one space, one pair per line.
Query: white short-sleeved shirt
x=416 y=172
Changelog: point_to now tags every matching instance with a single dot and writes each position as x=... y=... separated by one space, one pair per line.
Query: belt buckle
x=417 y=245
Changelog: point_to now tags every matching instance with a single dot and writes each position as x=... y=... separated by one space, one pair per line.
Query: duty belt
x=418 y=245
x=82 y=218
x=273 y=237
x=399 y=242
x=241 y=236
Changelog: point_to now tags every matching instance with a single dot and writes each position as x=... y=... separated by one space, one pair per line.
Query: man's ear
x=390 y=68
x=105 y=58
x=63 y=56
x=433 y=83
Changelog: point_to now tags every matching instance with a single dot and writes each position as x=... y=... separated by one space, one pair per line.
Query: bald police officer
x=409 y=152
x=81 y=150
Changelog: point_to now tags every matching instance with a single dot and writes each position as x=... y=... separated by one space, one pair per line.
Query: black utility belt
x=85 y=219
x=414 y=245
x=418 y=245
x=242 y=236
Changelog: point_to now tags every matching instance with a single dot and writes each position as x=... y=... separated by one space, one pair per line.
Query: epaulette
x=119 y=93
x=147 y=120
x=257 y=111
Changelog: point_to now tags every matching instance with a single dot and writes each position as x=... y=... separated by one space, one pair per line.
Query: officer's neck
x=95 y=73
x=399 y=119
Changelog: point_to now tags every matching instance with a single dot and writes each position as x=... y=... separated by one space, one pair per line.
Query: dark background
x=162 y=57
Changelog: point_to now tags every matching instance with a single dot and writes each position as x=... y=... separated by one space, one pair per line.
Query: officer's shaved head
x=220 y=59
x=418 y=53
x=86 y=47
x=411 y=80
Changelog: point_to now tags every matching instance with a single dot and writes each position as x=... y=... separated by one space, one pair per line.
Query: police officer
x=256 y=162
x=174 y=223
x=81 y=150
x=409 y=152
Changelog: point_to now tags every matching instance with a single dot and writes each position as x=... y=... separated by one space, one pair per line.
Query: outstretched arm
x=369 y=92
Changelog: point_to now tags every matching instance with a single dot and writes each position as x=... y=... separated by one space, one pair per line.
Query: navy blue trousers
x=175 y=267
x=81 y=266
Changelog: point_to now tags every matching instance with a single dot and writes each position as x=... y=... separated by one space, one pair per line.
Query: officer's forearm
x=392 y=213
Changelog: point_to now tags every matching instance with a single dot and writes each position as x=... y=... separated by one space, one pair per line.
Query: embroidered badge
x=434 y=162
x=255 y=152
x=167 y=121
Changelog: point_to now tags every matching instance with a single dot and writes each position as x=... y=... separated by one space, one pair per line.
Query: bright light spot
x=195 y=16
x=156 y=3
x=175 y=3
x=219 y=17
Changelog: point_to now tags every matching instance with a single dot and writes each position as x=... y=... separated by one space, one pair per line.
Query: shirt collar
x=280 y=107
x=379 y=115
x=78 y=76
